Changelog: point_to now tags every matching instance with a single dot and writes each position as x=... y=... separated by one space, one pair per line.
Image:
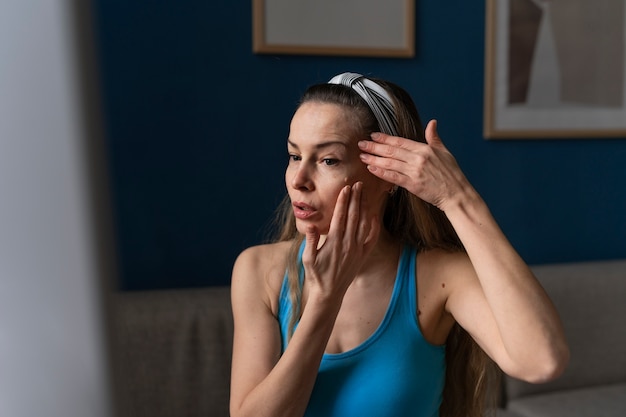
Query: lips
x=303 y=211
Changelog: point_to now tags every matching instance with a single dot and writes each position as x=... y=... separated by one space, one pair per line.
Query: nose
x=301 y=179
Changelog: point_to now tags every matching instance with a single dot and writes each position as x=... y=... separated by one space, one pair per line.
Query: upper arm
x=257 y=342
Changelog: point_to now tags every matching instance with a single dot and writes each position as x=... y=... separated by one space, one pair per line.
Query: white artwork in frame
x=555 y=69
x=332 y=27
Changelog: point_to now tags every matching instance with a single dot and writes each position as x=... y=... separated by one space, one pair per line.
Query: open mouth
x=302 y=210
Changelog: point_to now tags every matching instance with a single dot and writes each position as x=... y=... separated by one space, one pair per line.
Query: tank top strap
x=407 y=273
x=403 y=297
x=285 y=309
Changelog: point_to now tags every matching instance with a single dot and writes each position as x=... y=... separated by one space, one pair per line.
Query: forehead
x=316 y=122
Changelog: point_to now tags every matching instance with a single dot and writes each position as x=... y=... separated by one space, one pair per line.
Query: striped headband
x=376 y=98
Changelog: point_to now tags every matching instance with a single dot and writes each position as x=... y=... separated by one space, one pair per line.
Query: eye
x=330 y=161
x=294 y=158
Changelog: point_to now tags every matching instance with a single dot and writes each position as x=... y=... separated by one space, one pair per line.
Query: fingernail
x=375 y=135
x=363 y=156
x=362 y=144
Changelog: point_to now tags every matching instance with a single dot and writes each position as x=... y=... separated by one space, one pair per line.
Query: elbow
x=559 y=364
x=550 y=367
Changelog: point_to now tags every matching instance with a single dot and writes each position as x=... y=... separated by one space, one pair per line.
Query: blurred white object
x=53 y=202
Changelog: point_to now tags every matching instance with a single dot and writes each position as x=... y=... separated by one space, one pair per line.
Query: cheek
x=375 y=190
x=289 y=171
x=333 y=190
x=374 y=185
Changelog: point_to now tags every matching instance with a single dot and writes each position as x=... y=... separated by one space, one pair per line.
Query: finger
x=338 y=222
x=384 y=163
x=374 y=233
x=354 y=211
x=361 y=232
x=394 y=176
x=395 y=141
x=364 y=220
x=310 y=248
x=432 y=136
x=392 y=147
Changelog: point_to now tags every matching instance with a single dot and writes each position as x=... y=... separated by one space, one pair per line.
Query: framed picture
x=555 y=69
x=329 y=27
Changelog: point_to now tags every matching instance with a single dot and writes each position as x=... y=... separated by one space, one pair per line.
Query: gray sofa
x=173 y=349
x=591 y=299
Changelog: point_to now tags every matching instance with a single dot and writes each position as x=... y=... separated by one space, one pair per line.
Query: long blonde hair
x=471 y=377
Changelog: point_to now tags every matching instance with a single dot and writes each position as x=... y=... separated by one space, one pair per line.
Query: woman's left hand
x=427 y=170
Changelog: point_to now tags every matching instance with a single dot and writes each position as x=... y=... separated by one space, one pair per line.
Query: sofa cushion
x=604 y=401
x=172 y=350
x=590 y=299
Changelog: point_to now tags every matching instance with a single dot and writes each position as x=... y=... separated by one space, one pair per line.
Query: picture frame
x=555 y=69
x=367 y=28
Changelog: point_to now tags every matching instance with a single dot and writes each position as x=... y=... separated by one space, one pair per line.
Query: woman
x=390 y=285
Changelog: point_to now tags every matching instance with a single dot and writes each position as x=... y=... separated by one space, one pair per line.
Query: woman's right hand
x=265 y=379
x=353 y=232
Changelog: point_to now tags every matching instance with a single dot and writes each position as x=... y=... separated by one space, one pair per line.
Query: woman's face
x=324 y=158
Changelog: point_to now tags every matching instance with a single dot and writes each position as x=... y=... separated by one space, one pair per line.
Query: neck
x=385 y=246
x=383 y=258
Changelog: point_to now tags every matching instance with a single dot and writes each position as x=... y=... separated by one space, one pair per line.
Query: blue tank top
x=395 y=372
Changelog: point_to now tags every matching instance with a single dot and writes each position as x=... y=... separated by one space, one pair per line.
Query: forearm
x=527 y=321
x=286 y=389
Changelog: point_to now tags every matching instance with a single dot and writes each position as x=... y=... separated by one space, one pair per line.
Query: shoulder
x=445 y=274
x=444 y=266
x=258 y=272
x=452 y=275
x=262 y=260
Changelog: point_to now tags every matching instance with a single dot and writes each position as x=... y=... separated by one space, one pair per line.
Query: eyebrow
x=320 y=145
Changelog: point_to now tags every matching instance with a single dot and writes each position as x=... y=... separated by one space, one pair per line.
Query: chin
x=302 y=226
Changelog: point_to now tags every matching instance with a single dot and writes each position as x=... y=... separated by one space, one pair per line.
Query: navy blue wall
x=197 y=125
